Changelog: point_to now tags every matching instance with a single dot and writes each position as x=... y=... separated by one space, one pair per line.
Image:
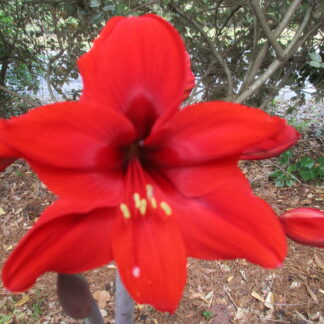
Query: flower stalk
x=95 y=315
x=124 y=304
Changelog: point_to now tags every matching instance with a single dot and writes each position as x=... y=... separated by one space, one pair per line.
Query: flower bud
x=304 y=225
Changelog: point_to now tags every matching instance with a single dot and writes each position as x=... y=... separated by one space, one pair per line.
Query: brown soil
x=216 y=292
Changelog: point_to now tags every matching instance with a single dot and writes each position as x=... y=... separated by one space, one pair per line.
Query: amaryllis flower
x=140 y=181
x=304 y=225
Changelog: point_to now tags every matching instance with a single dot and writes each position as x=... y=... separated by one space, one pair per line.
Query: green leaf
x=306 y=162
x=98 y=17
x=289 y=182
x=4 y=318
x=319 y=171
x=315 y=64
x=284 y=158
x=110 y=7
x=307 y=175
x=292 y=168
x=276 y=174
x=207 y=314
x=120 y=9
x=315 y=57
x=320 y=160
x=279 y=182
x=94 y=3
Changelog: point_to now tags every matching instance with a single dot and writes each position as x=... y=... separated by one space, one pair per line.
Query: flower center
x=133 y=152
x=141 y=198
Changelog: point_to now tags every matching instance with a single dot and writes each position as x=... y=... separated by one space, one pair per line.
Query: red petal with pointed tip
x=70 y=135
x=151 y=259
x=137 y=66
x=210 y=131
x=304 y=225
x=76 y=149
x=273 y=146
x=230 y=223
x=68 y=238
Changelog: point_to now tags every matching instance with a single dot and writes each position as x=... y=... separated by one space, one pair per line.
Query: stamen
x=143 y=206
x=124 y=209
x=137 y=199
x=149 y=191
x=153 y=202
x=136 y=271
x=166 y=208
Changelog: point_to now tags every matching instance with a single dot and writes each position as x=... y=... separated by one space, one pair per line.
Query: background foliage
x=241 y=51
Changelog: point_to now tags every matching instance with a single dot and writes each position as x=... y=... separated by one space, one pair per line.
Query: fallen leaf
x=2 y=212
x=101 y=296
x=257 y=296
x=8 y=248
x=242 y=272
x=269 y=300
x=111 y=266
x=103 y=312
x=196 y=295
x=230 y=278
x=18 y=211
x=312 y=294
x=319 y=262
x=22 y=301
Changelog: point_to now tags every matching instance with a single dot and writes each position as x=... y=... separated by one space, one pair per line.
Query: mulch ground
x=216 y=292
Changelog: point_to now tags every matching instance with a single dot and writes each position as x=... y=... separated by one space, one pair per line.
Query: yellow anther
x=143 y=206
x=124 y=209
x=166 y=208
x=137 y=199
x=149 y=191
x=153 y=202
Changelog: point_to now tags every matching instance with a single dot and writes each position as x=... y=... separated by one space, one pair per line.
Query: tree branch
x=285 y=20
x=295 y=42
x=255 y=66
x=266 y=29
x=28 y=101
x=279 y=86
x=228 y=19
x=194 y=91
x=217 y=55
x=292 y=45
x=48 y=74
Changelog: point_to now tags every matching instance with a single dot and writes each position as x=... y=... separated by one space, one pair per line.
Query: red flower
x=304 y=225
x=142 y=182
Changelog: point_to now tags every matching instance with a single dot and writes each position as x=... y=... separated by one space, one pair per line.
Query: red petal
x=75 y=148
x=198 y=180
x=92 y=186
x=273 y=146
x=209 y=131
x=136 y=66
x=151 y=259
x=68 y=238
x=190 y=82
x=231 y=223
x=70 y=135
x=304 y=225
